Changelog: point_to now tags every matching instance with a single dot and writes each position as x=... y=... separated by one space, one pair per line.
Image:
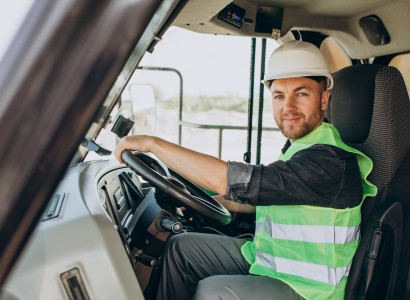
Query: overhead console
x=233 y=15
x=263 y=19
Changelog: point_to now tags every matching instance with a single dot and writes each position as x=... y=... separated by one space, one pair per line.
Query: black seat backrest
x=371 y=109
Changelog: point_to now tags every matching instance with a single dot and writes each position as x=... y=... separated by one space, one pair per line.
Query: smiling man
x=295 y=111
x=307 y=203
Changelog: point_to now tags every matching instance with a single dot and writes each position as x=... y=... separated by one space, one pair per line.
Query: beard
x=297 y=131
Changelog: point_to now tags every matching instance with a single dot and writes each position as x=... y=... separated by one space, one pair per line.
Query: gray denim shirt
x=321 y=175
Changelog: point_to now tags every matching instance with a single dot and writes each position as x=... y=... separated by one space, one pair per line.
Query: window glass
x=12 y=14
x=210 y=76
x=214 y=72
x=215 y=79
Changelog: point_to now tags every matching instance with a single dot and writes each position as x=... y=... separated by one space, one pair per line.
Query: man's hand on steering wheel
x=176 y=186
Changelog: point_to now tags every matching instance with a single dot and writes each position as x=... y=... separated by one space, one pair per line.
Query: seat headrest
x=353 y=98
x=371 y=109
x=334 y=54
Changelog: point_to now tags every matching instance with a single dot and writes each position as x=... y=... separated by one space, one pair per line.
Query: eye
x=277 y=97
x=302 y=94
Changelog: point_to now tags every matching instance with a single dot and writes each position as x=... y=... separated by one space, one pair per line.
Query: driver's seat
x=371 y=108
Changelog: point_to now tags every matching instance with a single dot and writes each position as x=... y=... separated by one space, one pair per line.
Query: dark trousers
x=204 y=266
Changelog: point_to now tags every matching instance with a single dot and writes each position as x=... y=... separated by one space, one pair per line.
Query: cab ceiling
x=336 y=18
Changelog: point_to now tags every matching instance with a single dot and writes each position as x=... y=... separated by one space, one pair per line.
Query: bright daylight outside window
x=213 y=73
x=11 y=14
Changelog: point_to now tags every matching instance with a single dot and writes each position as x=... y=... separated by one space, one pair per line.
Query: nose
x=289 y=104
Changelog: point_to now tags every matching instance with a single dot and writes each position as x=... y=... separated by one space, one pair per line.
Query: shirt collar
x=286 y=146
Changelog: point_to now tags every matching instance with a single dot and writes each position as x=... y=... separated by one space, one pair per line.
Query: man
x=307 y=203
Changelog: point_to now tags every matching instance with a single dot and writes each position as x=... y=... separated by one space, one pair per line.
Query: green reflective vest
x=308 y=247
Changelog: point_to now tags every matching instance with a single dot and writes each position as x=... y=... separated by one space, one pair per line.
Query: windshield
x=196 y=95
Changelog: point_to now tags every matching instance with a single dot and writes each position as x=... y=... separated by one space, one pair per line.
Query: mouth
x=291 y=119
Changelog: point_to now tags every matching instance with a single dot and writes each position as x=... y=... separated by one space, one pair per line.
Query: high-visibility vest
x=309 y=247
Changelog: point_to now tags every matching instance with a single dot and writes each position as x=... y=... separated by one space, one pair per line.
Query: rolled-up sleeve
x=238 y=179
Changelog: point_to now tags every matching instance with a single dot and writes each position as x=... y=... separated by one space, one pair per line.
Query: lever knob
x=167 y=224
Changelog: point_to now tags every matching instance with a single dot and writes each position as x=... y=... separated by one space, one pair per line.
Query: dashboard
x=98 y=239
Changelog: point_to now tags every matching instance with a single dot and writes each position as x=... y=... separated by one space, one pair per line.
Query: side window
x=11 y=15
x=272 y=140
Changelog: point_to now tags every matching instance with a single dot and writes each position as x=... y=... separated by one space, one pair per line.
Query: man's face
x=298 y=105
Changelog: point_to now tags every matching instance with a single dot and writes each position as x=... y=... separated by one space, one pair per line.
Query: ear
x=325 y=99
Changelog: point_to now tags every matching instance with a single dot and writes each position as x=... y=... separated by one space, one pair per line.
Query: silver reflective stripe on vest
x=303 y=269
x=314 y=233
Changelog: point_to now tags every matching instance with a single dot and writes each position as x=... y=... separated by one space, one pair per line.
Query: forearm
x=206 y=171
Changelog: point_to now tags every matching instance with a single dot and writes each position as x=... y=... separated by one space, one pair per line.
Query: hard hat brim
x=272 y=76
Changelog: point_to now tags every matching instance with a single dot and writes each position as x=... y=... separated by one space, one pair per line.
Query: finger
x=118 y=154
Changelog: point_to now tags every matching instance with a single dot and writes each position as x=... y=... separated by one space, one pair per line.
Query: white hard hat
x=297 y=59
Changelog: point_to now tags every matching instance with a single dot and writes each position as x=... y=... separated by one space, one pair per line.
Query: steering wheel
x=176 y=186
